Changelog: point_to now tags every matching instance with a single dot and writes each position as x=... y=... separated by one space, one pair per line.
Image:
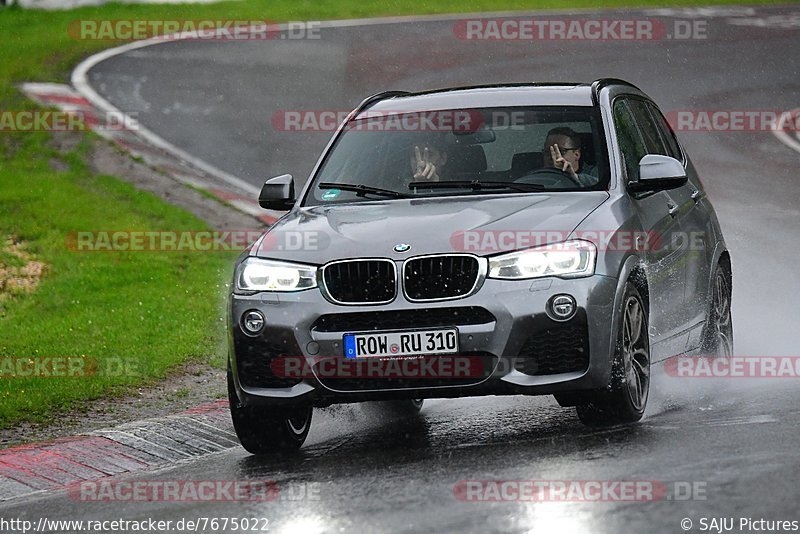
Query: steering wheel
x=550 y=177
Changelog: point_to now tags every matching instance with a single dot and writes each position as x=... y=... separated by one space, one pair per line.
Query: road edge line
x=79 y=80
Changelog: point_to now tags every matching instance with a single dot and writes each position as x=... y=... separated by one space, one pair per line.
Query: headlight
x=571 y=259
x=255 y=274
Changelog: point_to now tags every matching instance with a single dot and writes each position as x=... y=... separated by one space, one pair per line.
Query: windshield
x=521 y=150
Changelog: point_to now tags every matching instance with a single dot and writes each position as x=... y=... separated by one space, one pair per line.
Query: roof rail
x=496 y=86
x=600 y=83
x=375 y=98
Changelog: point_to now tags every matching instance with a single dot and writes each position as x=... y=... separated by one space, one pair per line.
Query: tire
x=263 y=430
x=625 y=398
x=718 y=332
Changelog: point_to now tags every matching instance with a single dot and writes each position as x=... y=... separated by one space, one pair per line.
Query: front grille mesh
x=440 y=277
x=360 y=282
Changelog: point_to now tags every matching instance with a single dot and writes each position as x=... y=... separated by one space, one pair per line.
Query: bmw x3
x=518 y=239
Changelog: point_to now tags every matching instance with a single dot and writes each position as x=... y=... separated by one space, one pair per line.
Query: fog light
x=562 y=307
x=253 y=322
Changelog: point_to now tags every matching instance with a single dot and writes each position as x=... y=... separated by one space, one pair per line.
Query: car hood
x=481 y=225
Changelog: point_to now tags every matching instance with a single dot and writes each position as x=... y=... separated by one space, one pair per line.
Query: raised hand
x=559 y=162
x=424 y=169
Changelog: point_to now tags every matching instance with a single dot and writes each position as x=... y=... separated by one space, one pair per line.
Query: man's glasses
x=566 y=149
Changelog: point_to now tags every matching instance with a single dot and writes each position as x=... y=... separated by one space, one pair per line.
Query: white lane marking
x=783 y=21
x=48 y=88
x=703 y=12
x=731 y=421
x=779 y=130
x=251 y=208
x=744 y=420
x=80 y=81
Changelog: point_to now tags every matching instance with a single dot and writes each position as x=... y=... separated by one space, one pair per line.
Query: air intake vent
x=560 y=348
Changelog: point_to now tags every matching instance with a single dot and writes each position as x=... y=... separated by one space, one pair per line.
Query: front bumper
x=305 y=325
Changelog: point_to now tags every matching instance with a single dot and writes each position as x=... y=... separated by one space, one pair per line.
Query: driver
x=562 y=150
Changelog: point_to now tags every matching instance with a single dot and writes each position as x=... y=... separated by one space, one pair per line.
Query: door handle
x=697 y=195
x=673 y=208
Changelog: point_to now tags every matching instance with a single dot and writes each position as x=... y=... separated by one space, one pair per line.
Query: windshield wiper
x=361 y=190
x=476 y=185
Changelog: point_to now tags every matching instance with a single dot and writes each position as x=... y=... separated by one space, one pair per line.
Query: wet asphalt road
x=377 y=474
x=737 y=440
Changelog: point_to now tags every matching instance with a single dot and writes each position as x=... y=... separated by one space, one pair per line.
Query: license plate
x=415 y=342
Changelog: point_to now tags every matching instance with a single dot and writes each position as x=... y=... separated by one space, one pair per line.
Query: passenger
x=428 y=162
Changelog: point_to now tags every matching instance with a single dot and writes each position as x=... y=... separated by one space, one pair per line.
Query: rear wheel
x=718 y=333
x=263 y=430
x=625 y=398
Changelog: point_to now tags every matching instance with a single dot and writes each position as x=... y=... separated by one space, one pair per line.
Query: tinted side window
x=647 y=126
x=667 y=134
x=631 y=144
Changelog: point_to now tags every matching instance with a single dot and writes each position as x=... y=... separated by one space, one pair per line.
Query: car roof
x=528 y=94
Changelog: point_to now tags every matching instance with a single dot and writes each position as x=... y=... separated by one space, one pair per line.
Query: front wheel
x=718 y=333
x=263 y=430
x=625 y=398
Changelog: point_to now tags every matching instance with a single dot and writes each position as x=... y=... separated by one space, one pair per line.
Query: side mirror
x=277 y=193
x=658 y=173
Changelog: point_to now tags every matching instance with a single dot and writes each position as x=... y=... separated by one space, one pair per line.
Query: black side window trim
x=664 y=128
x=623 y=100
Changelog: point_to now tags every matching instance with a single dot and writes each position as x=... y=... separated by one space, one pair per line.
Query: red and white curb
x=149 y=444
x=127 y=134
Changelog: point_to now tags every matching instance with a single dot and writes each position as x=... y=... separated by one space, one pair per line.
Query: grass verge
x=125 y=317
